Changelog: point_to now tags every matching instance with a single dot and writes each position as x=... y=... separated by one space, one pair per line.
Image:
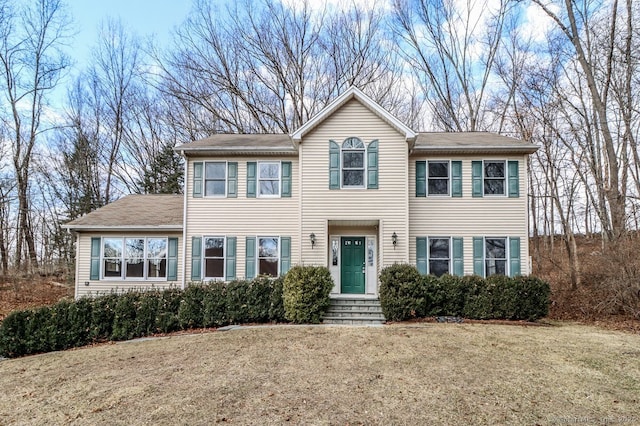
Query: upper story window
x=353 y=160
x=353 y=164
x=494 y=177
x=131 y=258
x=215 y=179
x=438 y=178
x=269 y=179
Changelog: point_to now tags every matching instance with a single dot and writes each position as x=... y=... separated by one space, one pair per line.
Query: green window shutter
x=456 y=178
x=285 y=255
x=476 y=178
x=232 y=180
x=94 y=272
x=251 y=179
x=514 y=179
x=372 y=165
x=478 y=256
x=514 y=256
x=458 y=256
x=421 y=254
x=230 y=257
x=286 y=178
x=196 y=258
x=172 y=260
x=421 y=178
x=250 y=259
x=197 y=179
x=334 y=165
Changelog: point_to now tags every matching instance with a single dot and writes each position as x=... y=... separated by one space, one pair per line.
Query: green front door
x=352 y=265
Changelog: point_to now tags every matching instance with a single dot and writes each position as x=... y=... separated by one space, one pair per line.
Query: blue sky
x=143 y=17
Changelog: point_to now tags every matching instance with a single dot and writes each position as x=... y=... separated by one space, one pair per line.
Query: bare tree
x=31 y=63
x=263 y=66
x=579 y=21
x=452 y=53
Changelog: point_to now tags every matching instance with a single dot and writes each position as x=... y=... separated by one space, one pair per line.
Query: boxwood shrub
x=402 y=293
x=306 y=293
x=405 y=294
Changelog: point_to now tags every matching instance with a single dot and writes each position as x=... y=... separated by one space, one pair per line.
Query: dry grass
x=397 y=374
x=31 y=293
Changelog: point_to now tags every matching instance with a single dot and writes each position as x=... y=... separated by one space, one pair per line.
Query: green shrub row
x=405 y=294
x=135 y=314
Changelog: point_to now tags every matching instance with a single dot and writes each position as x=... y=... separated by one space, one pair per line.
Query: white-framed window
x=134 y=258
x=268 y=256
x=215 y=179
x=214 y=258
x=494 y=177
x=269 y=178
x=438 y=177
x=439 y=254
x=353 y=163
x=496 y=256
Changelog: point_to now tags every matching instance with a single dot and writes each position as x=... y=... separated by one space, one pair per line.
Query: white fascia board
x=102 y=228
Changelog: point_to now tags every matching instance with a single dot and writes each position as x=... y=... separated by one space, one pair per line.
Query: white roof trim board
x=351 y=93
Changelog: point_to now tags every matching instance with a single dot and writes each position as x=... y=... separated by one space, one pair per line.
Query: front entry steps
x=354 y=310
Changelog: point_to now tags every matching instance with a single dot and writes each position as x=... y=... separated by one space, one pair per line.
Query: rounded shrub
x=306 y=293
x=401 y=293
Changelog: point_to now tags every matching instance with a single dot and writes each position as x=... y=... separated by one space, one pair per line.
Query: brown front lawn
x=397 y=374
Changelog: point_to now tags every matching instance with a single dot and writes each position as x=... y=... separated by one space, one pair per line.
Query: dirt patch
x=399 y=374
x=30 y=293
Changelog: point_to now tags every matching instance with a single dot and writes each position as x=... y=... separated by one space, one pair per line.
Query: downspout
x=184 y=221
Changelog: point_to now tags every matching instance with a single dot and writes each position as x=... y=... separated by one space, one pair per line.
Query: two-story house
x=353 y=189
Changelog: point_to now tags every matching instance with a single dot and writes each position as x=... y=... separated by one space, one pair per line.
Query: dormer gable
x=353 y=93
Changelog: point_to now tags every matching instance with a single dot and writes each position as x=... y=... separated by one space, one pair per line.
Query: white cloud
x=537 y=24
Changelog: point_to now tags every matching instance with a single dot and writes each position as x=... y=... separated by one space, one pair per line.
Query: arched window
x=353 y=164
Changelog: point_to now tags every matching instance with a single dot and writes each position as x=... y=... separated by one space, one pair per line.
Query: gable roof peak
x=353 y=93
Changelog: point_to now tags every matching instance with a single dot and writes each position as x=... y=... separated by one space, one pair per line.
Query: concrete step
x=350 y=321
x=354 y=314
x=354 y=311
x=360 y=308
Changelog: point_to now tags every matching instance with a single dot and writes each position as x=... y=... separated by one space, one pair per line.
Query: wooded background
x=567 y=81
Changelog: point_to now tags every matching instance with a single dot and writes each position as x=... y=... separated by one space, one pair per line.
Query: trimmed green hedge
x=306 y=293
x=134 y=314
x=405 y=294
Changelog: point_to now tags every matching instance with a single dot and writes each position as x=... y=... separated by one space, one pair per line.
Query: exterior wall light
x=394 y=240
x=312 y=237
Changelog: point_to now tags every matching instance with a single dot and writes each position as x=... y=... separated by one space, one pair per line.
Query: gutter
x=184 y=222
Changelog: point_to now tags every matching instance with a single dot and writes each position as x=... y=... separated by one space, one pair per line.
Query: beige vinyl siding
x=387 y=206
x=468 y=217
x=243 y=217
x=97 y=287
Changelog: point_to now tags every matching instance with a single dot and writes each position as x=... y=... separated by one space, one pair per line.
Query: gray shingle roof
x=240 y=144
x=135 y=212
x=470 y=142
x=282 y=144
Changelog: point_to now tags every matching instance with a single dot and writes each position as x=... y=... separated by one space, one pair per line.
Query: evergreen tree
x=165 y=175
